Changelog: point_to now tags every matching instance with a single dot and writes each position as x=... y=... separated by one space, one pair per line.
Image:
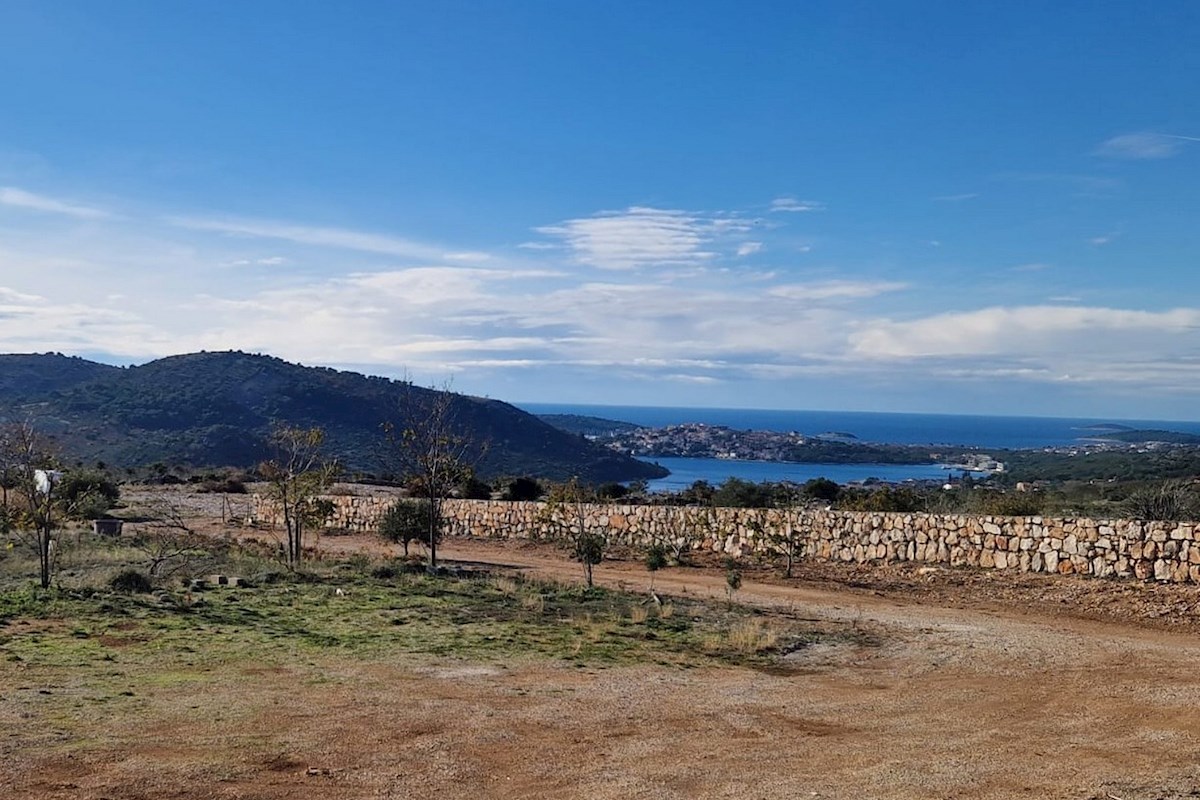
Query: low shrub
x=227 y=485
x=407 y=521
x=131 y=581
x=1170 y=501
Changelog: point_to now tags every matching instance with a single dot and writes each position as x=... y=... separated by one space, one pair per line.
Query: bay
x=686 y=471
x=972 y=430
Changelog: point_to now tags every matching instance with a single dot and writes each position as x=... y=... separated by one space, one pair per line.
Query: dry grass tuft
x=505 y=585
x=638 y=614
x=534 y=601
x=752 y=636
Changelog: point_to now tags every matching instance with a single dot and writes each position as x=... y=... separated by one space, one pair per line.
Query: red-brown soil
x=975 y=686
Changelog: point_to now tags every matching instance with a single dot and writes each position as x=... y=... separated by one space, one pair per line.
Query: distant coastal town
x=1100 y=452
x=699 y=440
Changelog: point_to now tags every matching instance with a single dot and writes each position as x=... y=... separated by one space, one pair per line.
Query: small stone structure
x=1164 y=551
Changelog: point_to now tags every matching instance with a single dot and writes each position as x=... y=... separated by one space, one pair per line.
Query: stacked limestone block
x=1164 y=551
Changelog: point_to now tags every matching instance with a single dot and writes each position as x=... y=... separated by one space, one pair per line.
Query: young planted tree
x=787 y=537
x=32 y=510
x=656 y=559
x=407 y=521
x=695 y=525
x=788 y=541
x=566 y=512
x=733 y=579
x=296 y=476
x=429 y=446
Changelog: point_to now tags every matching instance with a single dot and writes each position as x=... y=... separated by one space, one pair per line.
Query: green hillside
x=217 y=409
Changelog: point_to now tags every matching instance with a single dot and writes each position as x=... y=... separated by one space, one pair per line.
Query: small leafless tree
x=170 y=545
x=430 y=446
x=566 y=512
x=790 y=533
x=296 y=476
x=696 y=524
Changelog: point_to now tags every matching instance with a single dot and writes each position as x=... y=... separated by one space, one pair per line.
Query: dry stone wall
x=1165 y=551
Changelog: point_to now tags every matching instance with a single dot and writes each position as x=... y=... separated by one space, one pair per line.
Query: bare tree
x=296 y=476
x=790 y=533
x=695 y=524
x=430 y=446
x=28 y=463
x=170 y=545
x=566 y=511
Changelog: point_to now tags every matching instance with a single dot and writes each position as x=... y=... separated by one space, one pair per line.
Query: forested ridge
x=217 y=409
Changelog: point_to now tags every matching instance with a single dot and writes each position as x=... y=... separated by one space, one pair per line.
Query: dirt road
x=954 y=703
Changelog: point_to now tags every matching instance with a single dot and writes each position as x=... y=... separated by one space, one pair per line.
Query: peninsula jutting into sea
x=1057 y=449
x=962 y=430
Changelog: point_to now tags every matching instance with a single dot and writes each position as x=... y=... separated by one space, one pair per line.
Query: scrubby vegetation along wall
x=1166 y=551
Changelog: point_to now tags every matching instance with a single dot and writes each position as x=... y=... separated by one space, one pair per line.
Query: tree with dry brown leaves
x=296 y=476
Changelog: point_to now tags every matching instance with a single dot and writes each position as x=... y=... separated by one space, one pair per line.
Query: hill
x=217 y=409
x=587 y=426
x=28 y=377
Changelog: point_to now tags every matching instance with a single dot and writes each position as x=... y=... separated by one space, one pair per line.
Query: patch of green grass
x=352 y=608
x=360 y=616
x=79 y=660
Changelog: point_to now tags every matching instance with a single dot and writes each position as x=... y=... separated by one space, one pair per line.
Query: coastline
x=685 y=471
x=957 y=430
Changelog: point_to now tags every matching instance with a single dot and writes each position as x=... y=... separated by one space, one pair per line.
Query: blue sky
x=905 y=206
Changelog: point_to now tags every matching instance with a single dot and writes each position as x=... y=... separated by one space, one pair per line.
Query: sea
x=883 y=428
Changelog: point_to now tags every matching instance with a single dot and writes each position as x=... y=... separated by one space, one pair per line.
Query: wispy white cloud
x=468 y=257
x=1144 y=145
x=833 y=290
x=1035 y=266
x=1024 y=329
x=31 y=323
x=793 y=205
x=680 y=302
x=340 y=238
x=11 y=296
x=19 y=198
x=641 y=237
x=269 y=261
x=956 y=198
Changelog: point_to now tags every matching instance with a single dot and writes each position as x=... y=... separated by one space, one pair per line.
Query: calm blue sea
x=686 y=471
x=981 y=431
x=933 y=429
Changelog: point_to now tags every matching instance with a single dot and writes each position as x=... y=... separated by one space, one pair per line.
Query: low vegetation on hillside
x=218 y=410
